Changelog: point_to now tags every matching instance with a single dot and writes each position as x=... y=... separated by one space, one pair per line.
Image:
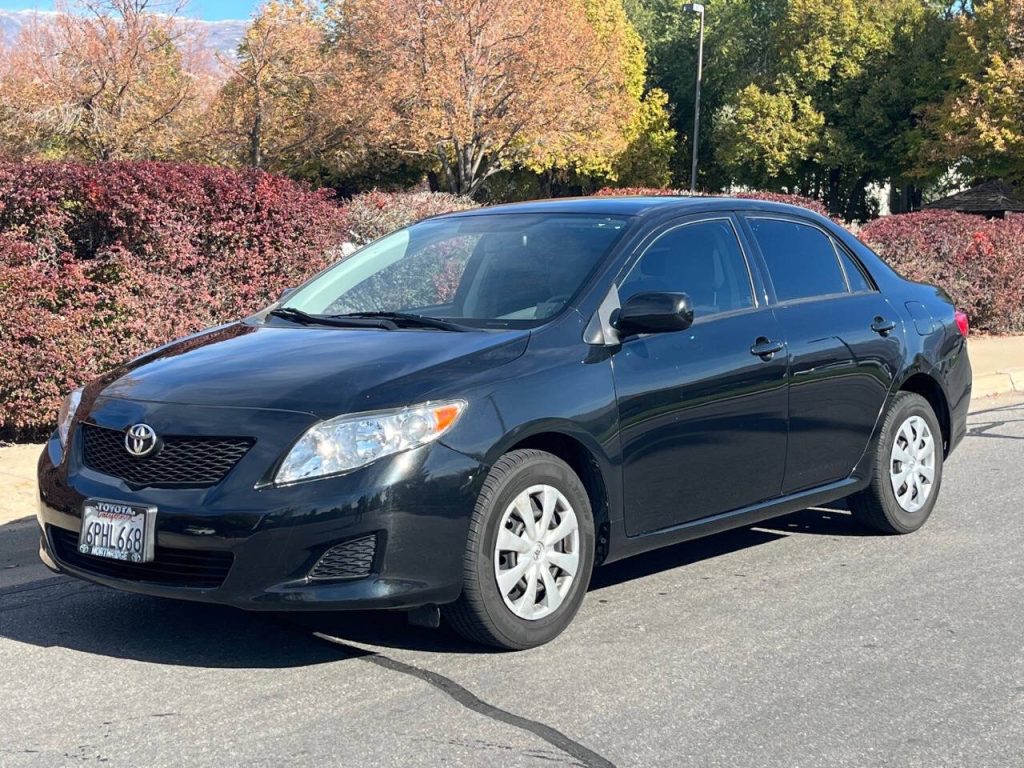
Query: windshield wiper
x=335 y=321
x=406 y=319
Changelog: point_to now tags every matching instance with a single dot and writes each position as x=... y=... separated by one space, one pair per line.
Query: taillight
x=962 y=322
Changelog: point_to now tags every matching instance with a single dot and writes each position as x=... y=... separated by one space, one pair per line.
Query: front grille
x=196 y=462
x=199 y=568
x=351 y=559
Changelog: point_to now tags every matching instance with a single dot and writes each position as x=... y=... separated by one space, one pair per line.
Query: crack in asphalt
x=31 y=586
x=31 y=591
x=54 y=589
x=467 y=699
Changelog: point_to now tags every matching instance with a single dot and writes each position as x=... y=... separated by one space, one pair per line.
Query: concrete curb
x=999 y=383
x=998 y=363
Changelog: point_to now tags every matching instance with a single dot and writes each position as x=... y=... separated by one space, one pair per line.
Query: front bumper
x=417 y=505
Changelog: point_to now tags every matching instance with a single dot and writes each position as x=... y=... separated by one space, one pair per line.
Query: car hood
x=323 y=371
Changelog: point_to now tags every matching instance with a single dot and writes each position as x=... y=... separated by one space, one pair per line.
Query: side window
x=855 y=276
x=800 y=259
x=703 y=260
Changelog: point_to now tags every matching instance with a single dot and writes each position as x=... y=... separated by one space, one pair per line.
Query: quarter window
x=800 y=259
x=703 y=260
x=854 y=273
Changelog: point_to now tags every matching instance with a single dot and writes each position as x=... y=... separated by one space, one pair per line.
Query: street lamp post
x=697 y=8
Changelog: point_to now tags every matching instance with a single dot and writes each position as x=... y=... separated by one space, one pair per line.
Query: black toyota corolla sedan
x=468 y=415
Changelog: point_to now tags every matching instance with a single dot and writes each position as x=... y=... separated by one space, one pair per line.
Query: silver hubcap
x=537 y=552
x=912 y=464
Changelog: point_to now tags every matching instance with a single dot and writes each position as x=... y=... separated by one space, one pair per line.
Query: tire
x=878 y=506
x=486 y=615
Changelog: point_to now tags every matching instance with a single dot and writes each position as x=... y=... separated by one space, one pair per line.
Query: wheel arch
x=585 y=463
x=930 y=389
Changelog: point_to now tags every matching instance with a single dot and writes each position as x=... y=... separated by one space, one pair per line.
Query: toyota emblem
x=140 y=440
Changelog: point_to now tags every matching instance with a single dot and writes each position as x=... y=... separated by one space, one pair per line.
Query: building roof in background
x=987 y=198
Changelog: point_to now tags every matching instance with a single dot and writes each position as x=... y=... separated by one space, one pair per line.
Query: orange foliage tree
x=104 y=80
x=290 y=99
x=481 y=85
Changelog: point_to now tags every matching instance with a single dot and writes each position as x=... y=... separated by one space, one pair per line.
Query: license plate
x=117 y=531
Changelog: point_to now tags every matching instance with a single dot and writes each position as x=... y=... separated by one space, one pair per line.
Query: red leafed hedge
x=101 y=262
x=98 y=263
x=979 y=262
x=775 y=197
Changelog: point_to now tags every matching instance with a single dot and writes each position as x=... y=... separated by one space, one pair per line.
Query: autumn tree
x=291 y=98
x=104 y=80
x=635 y=144
x=13 y=142
x=979 y=127
x=482 y=85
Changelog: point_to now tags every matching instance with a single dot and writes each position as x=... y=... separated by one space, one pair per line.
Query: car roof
x=636 y=206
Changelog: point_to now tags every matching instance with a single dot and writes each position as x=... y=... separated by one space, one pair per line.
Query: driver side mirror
x=654 y=312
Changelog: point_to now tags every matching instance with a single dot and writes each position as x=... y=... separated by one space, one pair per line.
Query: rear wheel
x=907 y=469
x=529 y=553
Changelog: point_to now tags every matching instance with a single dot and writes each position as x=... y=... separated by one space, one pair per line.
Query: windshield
x=496 y=270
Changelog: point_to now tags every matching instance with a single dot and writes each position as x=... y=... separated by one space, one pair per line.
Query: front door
x=702 y=414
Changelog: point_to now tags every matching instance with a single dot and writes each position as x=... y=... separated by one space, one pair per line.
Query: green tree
x=647 y=159
x=886 y=112
x=735 y=54
x=822 y=97
x=979 y=126
x=767 y=139
x=870 y=70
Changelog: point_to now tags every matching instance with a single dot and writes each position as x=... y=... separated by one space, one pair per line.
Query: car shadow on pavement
x=63 y=612
x=986 y=422
x=818 y=520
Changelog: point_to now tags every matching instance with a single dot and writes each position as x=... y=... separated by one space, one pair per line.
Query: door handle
x=766 y=348
x=882 y=327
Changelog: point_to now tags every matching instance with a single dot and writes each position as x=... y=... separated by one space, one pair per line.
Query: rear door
x=702 y=415
x=845 y=346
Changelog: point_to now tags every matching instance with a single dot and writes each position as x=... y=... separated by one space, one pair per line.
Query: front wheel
x=529 y=553
x=907 y=469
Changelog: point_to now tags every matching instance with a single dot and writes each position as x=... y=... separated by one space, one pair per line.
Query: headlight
x=352 y=441
x=67 y=414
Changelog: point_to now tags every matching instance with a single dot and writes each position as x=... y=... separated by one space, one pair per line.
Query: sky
x=212 y=10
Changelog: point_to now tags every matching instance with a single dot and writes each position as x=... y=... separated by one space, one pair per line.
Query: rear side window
x=800 y=258
x=854 y=273
x=703 y=260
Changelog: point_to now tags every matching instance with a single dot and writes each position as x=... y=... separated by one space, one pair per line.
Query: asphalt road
x=798 y=643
